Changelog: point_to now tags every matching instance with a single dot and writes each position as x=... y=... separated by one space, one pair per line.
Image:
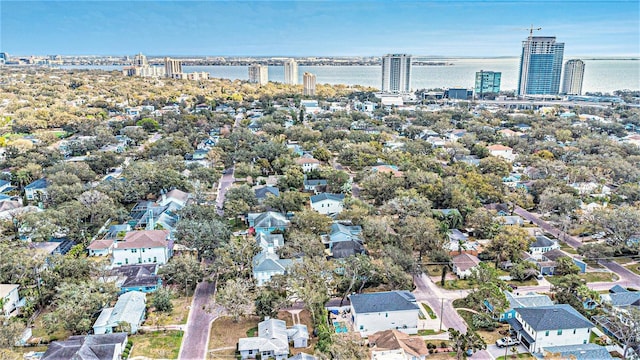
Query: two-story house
x=308 y=163
x=389 y=310
x=546 y=326
x=267 y=264
x=143 y=247
x=37 y=190
x=273 y=340
x=267 y=222
x=130 y=308
x=9 y=298
x=327 y=203
x=516 y=301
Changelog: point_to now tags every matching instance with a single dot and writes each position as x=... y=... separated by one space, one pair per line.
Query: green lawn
x=426 y=332
x=252 y=332
x=634 y=268
x=588 y=277
x=567 y=248
x=429 y=311
x=458 y=284
x=520 y=356
x=157 y=345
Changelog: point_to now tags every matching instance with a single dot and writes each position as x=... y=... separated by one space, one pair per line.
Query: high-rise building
x=396 y=73
x=573 y=76
x=140 y=60
x=291 y=72
x=172 y=68
x=4 y=57
x=487 y=82
x=309 y=84
x=259 y=74
x=540 y=65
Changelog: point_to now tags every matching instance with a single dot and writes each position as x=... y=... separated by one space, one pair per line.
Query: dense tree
x=311 y=222
x=202 y=234
x=509 y=243
x=77 y=304
x=184 y=272
x=236 y=297
x=161 y=300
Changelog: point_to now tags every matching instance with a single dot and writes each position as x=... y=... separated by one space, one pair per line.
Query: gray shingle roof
x=580 y=352
x=555 y=317
x=528 y=300
x=542 y=241
x=383 y=301
x=327 y=196
x=271 y=219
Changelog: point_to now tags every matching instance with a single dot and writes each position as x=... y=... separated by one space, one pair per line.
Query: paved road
x=627 y=277
x=440 y=301
x=203 y=312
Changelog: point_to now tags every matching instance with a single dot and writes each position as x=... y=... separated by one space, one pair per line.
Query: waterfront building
x=4 y=57
x=309 y=84
x=573 y=76
x=259 y=74
x=396 y=73
x=291 y=72
x=540 y=66
x=172 y=68
x=140 y=60
x=487 y=82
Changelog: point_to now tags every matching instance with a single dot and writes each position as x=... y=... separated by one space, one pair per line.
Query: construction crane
x=531 y=29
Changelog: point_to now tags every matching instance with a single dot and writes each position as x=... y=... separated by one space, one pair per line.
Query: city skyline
x=492 y=28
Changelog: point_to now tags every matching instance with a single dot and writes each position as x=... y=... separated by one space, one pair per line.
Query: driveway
x=440 y=301
x=496 y=352
x=203 y=312
x=223 y=185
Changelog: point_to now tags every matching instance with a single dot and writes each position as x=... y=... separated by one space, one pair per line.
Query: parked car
x=513 y=287
x=507 y=341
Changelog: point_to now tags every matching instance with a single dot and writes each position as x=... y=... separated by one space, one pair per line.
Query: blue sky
x=308 y=28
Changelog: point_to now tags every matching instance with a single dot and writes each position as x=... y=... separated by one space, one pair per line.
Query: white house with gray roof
x=129 y=308
x=389 y=310
x=556 y=325
x=273 y=340
x=542 y=245
x=267 y=264
x=327 y=203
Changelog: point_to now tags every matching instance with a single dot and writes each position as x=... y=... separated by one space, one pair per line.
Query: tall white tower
x=396 y=73
x=291 y=72
x=573 y=76
x=259 y=74
x=309 y=84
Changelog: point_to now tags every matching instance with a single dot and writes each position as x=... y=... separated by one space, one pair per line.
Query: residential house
x=175 y=196
x=302 y=356
x=37 y=190
x=150 y=215
x=268 y=222
x=554 y=325
x=308 y=163
x=576 y=352
x=264 y=191
x=342 y=233
x=273 y=340
x=130 y=309
x=516 y=301
x=269 y=242
x=502 y=151
x=327 y=203
x=316 y=186
x=88 y=347
x=141 y=278
x=547 y=262
x=506 y=220
x=389 y=310
x=9 y=298
x=413 y=347
x=344 y=249
x=143 y=247
x=268 y=264
x=508 y=133
x=621 y=301
x=464 y=264
x=387 y=169
x=5 y=186
x=542 y=245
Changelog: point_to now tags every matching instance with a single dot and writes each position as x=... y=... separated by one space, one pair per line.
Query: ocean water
x=605 y=75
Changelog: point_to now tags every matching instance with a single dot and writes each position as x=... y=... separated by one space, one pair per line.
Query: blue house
x=520 y=301
x=342 y=233
x=141 y=278
x=268 y=222
x=38 y=187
